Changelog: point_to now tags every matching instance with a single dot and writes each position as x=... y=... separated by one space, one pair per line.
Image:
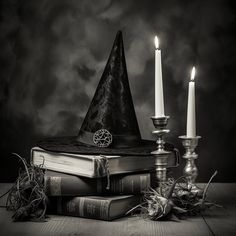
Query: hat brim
x=71 y=145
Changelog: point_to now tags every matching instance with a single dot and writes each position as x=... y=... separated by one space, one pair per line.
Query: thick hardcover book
x=94 y=166
x=94 y=207
x=59 y=184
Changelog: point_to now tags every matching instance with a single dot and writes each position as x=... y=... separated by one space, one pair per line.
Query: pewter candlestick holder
x=161 y=155
x=190 y=170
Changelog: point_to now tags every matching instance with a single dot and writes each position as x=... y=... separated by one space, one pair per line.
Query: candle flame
x=193 y=73
x=156 y=41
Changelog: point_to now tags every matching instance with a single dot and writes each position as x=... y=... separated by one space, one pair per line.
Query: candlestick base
x=190 y=170
x=161 y=155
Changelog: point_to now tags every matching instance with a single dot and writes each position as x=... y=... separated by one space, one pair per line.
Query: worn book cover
x=60 y=184
x=94 y=166
x=94 y=207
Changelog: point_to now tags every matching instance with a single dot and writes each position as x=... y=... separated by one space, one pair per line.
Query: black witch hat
x=110 y=125
x=111 y=119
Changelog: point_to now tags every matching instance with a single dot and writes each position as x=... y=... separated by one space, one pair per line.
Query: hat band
x=118 y=141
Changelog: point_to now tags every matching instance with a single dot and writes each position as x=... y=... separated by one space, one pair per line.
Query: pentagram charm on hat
x=102 y=138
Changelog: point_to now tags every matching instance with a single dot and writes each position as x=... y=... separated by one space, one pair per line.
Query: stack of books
x=94 y=186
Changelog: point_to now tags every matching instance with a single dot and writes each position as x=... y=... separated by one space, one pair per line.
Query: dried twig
x=27 y=197
x=174 y=199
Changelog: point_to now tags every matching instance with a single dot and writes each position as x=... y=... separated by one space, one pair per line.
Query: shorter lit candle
x=191 y=115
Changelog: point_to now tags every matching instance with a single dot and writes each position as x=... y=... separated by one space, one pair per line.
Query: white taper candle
x=191 y=115
x=159 y=101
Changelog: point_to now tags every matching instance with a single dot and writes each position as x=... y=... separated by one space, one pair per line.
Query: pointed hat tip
x=119 y=39
x=119 y=34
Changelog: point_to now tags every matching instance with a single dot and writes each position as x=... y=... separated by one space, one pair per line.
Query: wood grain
x=59 y=225
x=218 y=221
x=222 y=221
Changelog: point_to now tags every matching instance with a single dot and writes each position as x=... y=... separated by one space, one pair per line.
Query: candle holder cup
x=161 y=155
x=190 y=170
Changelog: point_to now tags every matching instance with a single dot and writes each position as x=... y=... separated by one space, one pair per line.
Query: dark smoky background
x=53 y=52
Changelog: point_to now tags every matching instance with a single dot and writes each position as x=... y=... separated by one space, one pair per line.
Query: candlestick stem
x=161 y=155
x=190 y=170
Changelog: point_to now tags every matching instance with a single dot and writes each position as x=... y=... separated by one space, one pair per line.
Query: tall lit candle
x=159 y=101
x=191 y=115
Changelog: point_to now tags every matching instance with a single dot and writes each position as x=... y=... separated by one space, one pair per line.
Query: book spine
x=130 y=184
x=84 y=207
x=74 y=185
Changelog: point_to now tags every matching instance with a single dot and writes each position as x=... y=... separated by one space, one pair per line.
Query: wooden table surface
x=216 y=221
